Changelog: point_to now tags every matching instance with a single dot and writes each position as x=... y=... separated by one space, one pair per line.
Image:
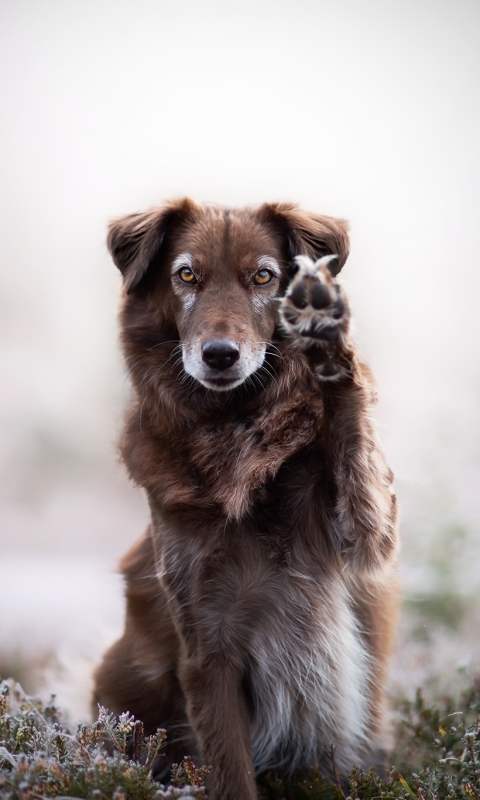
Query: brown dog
x=261 y=601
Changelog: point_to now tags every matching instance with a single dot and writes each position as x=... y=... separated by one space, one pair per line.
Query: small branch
x=137 y=740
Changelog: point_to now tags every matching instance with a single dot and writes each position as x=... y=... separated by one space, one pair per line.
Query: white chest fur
x=310 y=677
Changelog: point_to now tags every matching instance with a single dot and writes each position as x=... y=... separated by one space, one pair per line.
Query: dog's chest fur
x=227 y=458
x=289 y=618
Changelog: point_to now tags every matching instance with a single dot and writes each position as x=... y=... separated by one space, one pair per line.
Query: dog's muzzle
x=222 y=364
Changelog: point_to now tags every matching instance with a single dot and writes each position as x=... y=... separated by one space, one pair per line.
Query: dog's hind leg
x=139 y=672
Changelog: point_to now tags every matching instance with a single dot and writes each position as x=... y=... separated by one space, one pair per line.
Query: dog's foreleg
x=217 y=710
x=315 y=314
x=364 y=518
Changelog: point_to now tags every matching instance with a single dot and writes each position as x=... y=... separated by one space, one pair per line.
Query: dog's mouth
x=222 y=383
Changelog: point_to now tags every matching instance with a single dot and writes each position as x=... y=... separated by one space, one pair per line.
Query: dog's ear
x=309 y=233
x=135 y=241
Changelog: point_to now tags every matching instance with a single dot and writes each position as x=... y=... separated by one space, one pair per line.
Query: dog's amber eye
x=186 y=275
x=262 y=277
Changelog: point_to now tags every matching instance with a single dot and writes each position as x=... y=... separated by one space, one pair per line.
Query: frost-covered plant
x=109 y=760
x=437 y=757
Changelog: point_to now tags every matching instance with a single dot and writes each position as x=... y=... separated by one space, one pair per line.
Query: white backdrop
x=367 y=110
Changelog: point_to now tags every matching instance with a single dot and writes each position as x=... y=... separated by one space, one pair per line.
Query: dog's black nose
x=220 y=353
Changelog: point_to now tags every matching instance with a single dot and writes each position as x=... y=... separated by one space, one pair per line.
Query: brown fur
x=261 y=601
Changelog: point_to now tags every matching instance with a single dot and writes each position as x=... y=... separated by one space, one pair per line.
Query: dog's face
x=210 y=275
x=225 y=274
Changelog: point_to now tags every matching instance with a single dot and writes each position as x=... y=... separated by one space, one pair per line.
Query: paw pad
x=299 y=295
x=320 y=296
x=314 y=307
x=338 y=308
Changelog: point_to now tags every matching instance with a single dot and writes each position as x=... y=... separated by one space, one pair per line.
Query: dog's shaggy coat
x=261 y=601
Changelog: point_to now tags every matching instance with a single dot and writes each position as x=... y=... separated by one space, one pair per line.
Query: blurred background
x=363 y=110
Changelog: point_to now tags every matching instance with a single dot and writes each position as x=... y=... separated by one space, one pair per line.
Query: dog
x=261 y=601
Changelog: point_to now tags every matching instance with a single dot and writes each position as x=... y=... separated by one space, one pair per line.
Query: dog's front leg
x=211 y=666
x=217 y=710
x=315 y=313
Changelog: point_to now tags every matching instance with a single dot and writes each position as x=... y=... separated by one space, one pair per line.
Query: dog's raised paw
x=314 y=309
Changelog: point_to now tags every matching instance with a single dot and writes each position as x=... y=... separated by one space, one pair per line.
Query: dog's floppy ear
x=135 y=240
x=309 y=233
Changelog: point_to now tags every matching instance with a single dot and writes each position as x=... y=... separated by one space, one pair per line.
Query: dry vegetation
x=437 y=757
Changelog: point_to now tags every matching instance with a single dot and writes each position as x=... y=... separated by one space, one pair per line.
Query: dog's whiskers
x=270 y=347
x=159 y=344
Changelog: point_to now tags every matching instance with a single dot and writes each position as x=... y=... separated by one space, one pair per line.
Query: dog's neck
x=246 y=434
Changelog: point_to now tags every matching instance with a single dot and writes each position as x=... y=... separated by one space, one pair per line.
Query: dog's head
x=207 y=277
